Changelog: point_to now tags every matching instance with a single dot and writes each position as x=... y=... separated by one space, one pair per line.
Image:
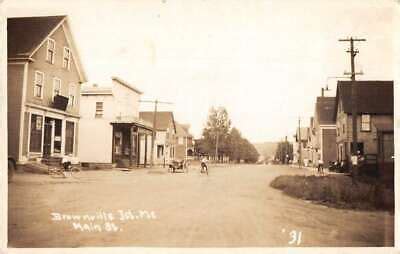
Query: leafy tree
x=218 y=138
x=234 y=143
x=240 y=148
x=216 y=131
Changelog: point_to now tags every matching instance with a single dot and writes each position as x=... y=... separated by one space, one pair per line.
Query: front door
x=386 y=154
x=48 y=129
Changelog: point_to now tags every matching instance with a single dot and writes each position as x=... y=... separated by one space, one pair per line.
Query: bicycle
x=203 y=168
x=64 y=169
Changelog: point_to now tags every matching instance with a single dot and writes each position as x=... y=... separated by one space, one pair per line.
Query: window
x=51 y=50
x=56 y=87
x=344 y=129
x=35 y=144
x=38 y=86
x=365 y=123
x=99 y=110
x=69 y=137
x=67 y=58
x=71 y=95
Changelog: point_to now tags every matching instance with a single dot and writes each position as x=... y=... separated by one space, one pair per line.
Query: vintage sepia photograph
x=199 y=123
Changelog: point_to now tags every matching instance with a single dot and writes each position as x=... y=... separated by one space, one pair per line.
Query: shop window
x=35 y=144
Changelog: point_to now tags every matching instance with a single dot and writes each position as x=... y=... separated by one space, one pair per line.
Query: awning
x=133 y=121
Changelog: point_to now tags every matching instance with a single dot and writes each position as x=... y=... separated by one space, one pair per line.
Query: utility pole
x=154 y=126
x=299 y=137
x=354 y=111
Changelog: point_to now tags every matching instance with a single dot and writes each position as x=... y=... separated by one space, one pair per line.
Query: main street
x=233 y=206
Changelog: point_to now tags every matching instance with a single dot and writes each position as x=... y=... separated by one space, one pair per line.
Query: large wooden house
x=44 y=77
x=374 y=123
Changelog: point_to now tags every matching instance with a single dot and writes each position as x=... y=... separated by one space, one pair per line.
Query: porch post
x=130 y=146
x=145 y=149
x=113 y=144
x=139 y=147
x=63 y=135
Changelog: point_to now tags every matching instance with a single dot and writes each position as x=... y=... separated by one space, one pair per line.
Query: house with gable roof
x=44 y=79
x=375 y=139
x=164 y=142
x=323 y=131
x=301 y=146
x=184 y=146
x=111 y=131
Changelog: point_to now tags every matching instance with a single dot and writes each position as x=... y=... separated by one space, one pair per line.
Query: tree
x=218 y=138
x=234 y=144
x=216 y=131
x=240 y=148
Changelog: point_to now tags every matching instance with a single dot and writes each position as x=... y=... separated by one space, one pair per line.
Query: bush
x=338 y=191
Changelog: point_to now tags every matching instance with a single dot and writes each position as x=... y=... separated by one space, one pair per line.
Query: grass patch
x=337 y=191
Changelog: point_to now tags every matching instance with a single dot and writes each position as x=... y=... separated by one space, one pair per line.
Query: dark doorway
x=48 y=128
x=386 y=155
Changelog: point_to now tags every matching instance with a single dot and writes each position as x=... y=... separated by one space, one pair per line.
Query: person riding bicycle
x=204 y=164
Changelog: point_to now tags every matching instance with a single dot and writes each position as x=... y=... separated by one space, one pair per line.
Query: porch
x=131 y=144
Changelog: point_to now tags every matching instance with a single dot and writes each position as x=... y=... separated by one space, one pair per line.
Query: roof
x=94 y=89
x=126 y=84
x=182 y=130
x=325 y=110
x=163 y=119
x=25 y=35
x=373 y=97
x=133 y=120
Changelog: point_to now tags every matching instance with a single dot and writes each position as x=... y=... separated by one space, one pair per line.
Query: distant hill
x=266 y=149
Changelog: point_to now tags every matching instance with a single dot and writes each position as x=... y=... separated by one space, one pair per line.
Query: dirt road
x=231 y=207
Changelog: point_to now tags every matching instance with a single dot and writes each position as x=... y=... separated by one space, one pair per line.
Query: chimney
x=322 y=92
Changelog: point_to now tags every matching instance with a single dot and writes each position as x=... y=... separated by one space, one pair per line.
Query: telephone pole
x=353 y=52
x=156 y=102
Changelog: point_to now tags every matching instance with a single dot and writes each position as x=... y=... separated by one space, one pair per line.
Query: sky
x=265 y=61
